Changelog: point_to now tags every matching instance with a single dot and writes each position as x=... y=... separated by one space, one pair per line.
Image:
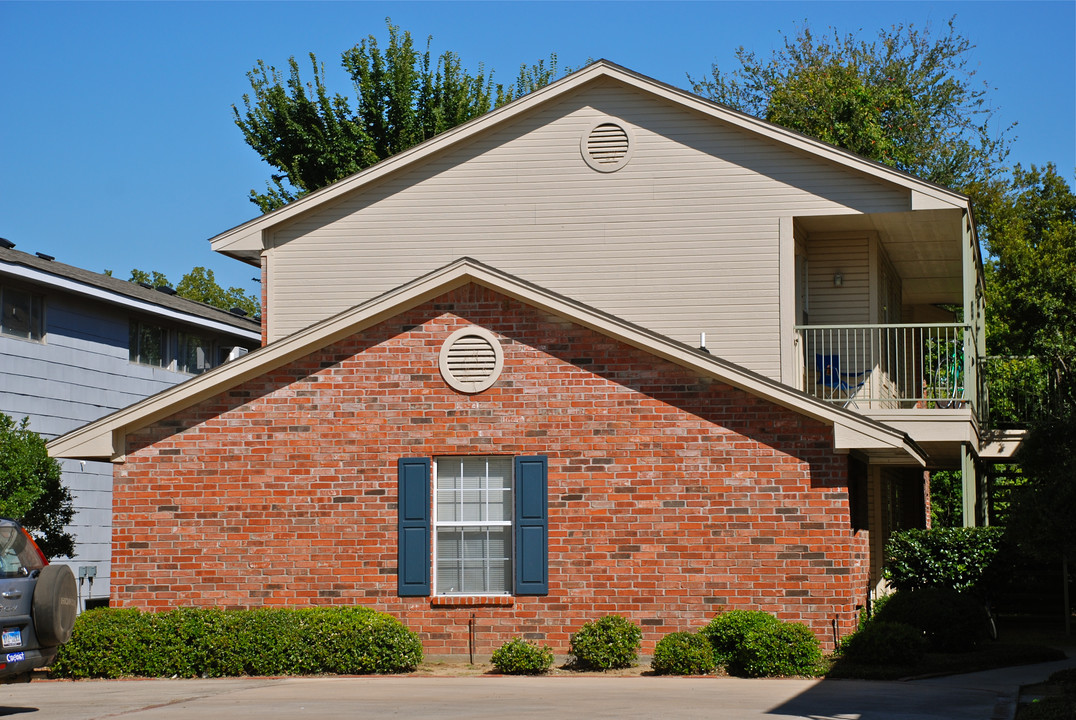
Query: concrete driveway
x=475 y=698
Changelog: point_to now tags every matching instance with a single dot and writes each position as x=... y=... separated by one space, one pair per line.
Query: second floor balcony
x=892 y=367
x=886 y=369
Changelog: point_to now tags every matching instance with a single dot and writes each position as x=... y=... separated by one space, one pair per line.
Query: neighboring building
x=76 y=345
x=533 y=437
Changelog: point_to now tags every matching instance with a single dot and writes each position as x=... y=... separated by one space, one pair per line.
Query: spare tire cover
x=55 y=605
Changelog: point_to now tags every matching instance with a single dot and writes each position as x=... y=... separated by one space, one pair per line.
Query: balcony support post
x=969 y=481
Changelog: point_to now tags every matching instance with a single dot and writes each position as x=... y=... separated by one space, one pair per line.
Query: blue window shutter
x=532 y=526
x=413 y=570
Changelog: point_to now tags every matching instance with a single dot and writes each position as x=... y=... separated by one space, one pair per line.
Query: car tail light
x=30 y=539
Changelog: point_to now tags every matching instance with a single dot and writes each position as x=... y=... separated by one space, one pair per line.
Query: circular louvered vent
x=471 y=360
x=606 y=146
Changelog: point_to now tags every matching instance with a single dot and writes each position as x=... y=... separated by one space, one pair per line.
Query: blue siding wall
x=80 y=373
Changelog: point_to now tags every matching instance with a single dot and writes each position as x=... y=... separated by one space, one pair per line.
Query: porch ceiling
x=923 y=245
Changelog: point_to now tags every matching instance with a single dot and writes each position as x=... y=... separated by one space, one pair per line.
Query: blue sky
x=118 y=149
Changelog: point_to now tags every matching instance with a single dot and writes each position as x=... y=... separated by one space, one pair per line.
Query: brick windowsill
x=472 y=600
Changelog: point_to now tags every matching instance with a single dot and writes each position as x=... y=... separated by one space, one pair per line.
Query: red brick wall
x=670 y=497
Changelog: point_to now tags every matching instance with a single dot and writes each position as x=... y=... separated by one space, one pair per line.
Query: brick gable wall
x=670 y=497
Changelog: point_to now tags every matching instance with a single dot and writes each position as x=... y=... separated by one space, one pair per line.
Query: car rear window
x=18 y=556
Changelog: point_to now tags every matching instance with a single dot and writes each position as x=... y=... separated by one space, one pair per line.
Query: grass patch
x=984 y=657
x=1058 y=701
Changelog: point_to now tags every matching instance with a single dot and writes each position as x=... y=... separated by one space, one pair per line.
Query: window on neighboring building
x=473 y=525
x=22 y=314
x=148 y=344
x=195 y=353
x=488 y=519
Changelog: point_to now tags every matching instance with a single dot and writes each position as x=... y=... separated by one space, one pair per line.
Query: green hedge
x=885 y=643
x=208 y=642
x=607 y=643
x=780 y=650
x=950 y=621
x=953 y=558
x=727 y=631
x=519 y=657
x=683 y=653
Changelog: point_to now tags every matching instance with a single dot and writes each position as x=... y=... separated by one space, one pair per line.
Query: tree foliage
x=314 y=137
x=1029 y=228
x=907 y=99
x=1030 y=223
x=1041 y=515
x=200 y=285
x=31 y=490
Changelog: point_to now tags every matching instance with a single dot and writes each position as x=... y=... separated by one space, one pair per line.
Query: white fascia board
x=102 y=438
x=250 y=237
x=849 y=427
x=115 y=298
x=847 y=436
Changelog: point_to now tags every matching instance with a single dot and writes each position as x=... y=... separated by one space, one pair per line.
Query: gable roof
x=44 y=271
x=245 y=241
x=105 y=438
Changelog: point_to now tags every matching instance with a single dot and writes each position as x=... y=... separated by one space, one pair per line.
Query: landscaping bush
x=683 y=653
x=885 y=643
x=954 y=558
x=207 y=642
x=519 y=657
x=607 y=643
x=781 y=649
x=951 y=621
x=727 y=631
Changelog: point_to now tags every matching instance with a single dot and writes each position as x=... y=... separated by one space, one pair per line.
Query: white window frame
x=509 y=525
x=168 y=354
x=37 y=302
x=207 y=345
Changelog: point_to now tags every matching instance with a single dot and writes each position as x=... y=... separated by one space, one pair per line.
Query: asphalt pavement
x=989 y=695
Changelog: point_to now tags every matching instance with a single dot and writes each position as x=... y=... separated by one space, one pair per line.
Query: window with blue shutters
x=413 y=571
x=488 y=521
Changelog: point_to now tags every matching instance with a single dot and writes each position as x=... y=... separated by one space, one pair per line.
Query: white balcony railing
x=887 y=367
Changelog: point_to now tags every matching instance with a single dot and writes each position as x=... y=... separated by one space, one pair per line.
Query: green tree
x=153 y=278
x=200 y=285
x=31 y=490
x=907 y=99
x=1030 y=235
x=1031 y=285
x=314 y=137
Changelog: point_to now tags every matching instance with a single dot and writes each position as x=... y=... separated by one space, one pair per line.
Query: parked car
x=38 y=604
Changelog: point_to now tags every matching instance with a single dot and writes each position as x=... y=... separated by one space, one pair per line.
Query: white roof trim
x=115 y=298
x=103 y=439
x=247 y=239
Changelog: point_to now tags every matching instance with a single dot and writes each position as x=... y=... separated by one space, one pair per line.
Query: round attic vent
x=607 y=146
x=471 y=360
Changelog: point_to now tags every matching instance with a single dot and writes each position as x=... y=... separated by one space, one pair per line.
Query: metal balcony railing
x=887 y=367
x=1022 y=389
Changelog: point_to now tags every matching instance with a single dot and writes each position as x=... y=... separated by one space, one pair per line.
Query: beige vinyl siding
x=684 y=239
x=850 y=303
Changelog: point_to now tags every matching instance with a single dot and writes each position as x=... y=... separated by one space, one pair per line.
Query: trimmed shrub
x=683 y=653
x=951 y=621
x=727 y=631
x=519 y=657
x=608 y=643
x=208 y=642
x=954 y=558
x=777 y=650
x=885 y=643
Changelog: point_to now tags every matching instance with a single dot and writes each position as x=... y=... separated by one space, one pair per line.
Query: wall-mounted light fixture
x=838 y=279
